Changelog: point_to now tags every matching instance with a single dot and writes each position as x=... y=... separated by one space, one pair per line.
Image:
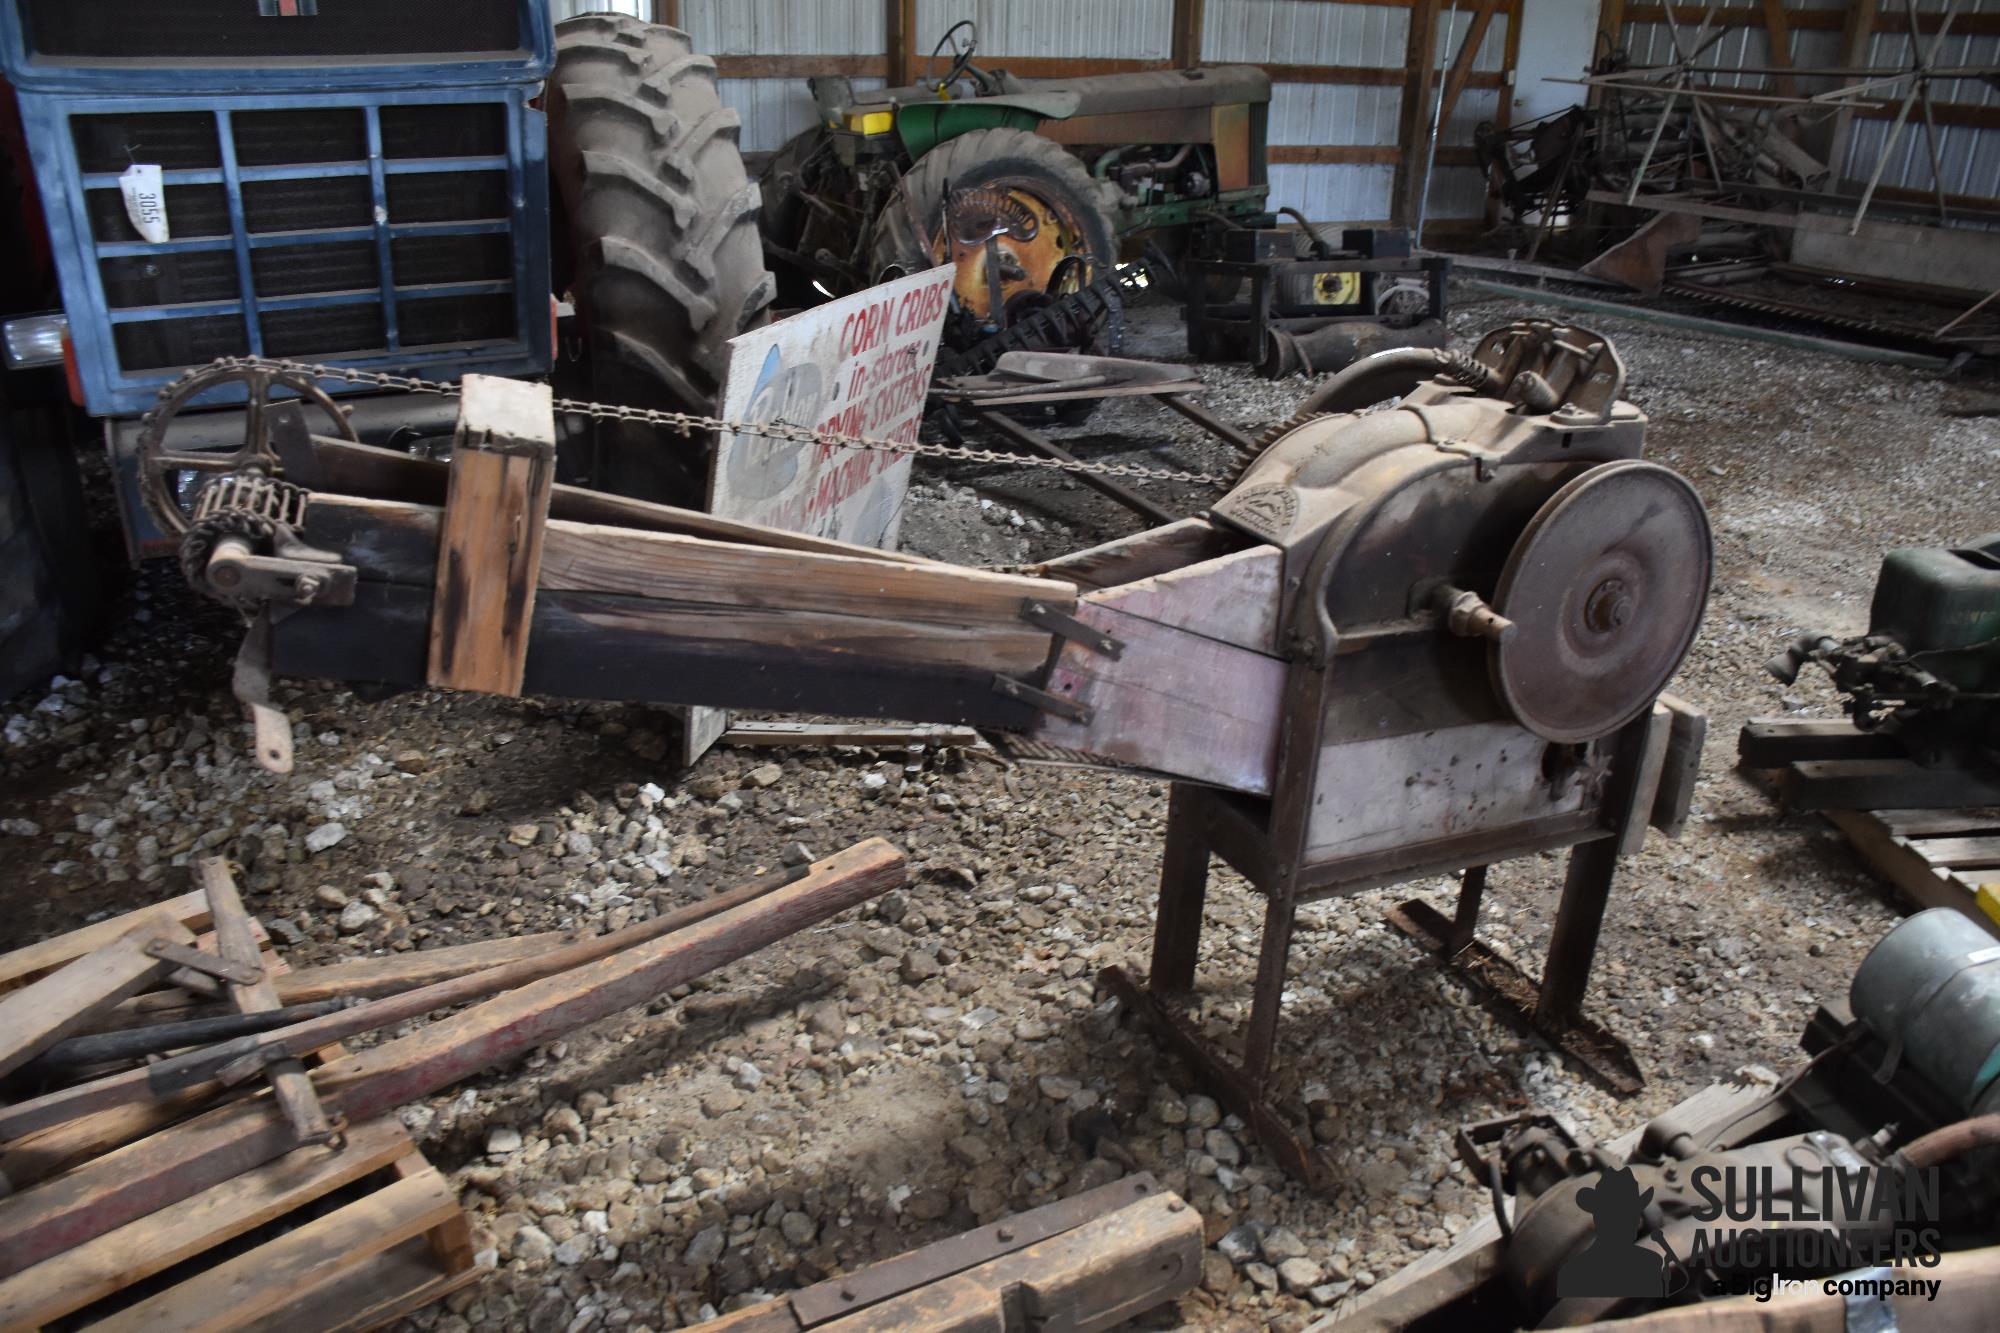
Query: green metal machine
x=1034 y=189
x=1928 y=670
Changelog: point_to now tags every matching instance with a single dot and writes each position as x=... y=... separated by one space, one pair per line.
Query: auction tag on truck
x=146 y=201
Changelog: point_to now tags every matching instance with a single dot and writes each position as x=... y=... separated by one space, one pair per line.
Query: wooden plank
x=267 y=1277
x=503 y=463
x=180 y=1162
x=1232 y=599
x=1959 y=853
x=1871 y=784
x=1174 y=702
x=1094 y=1277
x=585 y=558
x=757 y=735
x=1468 y=52
x=366 y=978
x=31 y=961
x=900 y=67
x=365 y=471
x=576 y=654
x=1931 y=823
x=153 y=1244
x=313 y=1034
x=1142 y=555
x=1773 y=742
x=1413 y=133
x=237 y=942
x=1898 y=861
x=40 y=1014
x=35 y=1157
x=371 y=1295
x=1682 y=769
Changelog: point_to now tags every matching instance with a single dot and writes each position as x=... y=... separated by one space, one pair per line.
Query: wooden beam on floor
x=182 y=1161
x=39 y=1015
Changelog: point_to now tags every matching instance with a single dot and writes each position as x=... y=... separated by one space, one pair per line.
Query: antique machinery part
x=1607 y=586
x=1931 y=990
x=1007 y=239
x=1393 y=374
x=169 y=477
x=1555 y=368
x=961 y=40
x=241 y=547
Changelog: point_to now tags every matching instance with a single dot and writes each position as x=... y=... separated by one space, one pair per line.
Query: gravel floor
x=941 y=1059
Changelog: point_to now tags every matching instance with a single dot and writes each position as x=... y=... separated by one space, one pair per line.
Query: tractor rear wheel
x=783 y=217
x=661 y=225
x=1046 y=208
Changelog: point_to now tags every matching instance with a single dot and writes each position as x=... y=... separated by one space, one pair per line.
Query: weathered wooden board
x=42 y=1013
x=503 y=463
x=339 y=467
x=1144 y=554
x=267 y=1277
x=1370 y=795
x=31 y=961
x=153 y=1244
x=580 y=651
x=1905 y=859
x=1174 y=702
x=1233 y=598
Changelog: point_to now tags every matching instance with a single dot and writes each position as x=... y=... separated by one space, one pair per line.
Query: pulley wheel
x=170 y=477
x=1606 y=586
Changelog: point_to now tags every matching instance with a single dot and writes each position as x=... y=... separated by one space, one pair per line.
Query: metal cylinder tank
x=1932 y=987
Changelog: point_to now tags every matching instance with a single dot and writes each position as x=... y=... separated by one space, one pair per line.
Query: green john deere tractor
x=1035 y=189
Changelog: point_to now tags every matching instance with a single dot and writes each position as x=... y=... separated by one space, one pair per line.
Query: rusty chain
x=686 y=423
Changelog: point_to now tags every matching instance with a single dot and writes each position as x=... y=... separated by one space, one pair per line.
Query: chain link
x=687 y=423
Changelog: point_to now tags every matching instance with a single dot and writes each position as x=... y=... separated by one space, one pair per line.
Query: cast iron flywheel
x=1607 y=585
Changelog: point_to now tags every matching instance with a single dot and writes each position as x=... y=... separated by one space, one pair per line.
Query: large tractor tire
x=661 y=223
x=49 y=598
x=1008 y=168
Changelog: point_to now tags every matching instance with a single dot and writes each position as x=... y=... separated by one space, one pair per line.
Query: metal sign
x=857 y=366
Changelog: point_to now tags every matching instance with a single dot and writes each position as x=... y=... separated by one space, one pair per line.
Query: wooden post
x=490 y=545
x=1468 y=54
x=1413 y=134
x=902 y=42
x=667 y=12
x=1778 y=33
x=1187 y=33
x=1855 y=38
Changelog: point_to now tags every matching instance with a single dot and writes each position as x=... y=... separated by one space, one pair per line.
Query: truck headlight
x=35 y=340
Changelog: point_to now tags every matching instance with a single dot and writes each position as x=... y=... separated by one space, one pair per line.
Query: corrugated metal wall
x=1348 y=115
x=1970 y=154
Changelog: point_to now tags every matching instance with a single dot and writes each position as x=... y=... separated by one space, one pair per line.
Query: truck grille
x=289 y=239
x=150 y=32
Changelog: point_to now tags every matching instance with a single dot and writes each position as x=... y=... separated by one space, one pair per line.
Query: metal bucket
x=1931 y=990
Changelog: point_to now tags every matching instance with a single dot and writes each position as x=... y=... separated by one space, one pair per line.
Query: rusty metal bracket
x=835 y=1297
x=1513 y=994
x=1022 y=692
x=1043 y=616
x=180 y=955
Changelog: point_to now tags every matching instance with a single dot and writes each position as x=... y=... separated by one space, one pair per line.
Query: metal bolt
x=847 y=1293
x=1005 y=1233
x=1609 y=607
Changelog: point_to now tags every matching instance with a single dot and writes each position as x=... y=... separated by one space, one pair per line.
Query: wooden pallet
x=1934 y=858
x=314 y=1241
